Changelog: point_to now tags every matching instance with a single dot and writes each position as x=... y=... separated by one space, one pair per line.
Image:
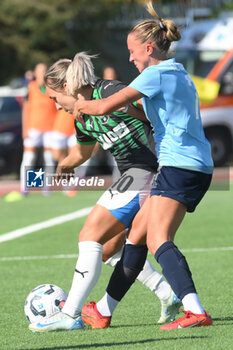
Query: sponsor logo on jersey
x=111 y=136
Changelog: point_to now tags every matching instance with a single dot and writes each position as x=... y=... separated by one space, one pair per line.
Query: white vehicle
x=212 y=58
x=8 y=91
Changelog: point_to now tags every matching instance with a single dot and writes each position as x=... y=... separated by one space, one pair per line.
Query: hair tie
x=162 y=26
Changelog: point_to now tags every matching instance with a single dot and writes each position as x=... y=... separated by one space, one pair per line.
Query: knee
x=151 y=245
x=154 y=244
x=134 y=256
x=88 y=233
x=85 y=234
x=136 y=237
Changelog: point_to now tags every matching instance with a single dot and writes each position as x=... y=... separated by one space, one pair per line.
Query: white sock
x=49 y=166
x=89 y=265
x=48 y=159
x=153 y=280
x=149 y=276
x=107 y=305
x=28 y=160
x=192 y=303
x=163 y=290
x=114 y=259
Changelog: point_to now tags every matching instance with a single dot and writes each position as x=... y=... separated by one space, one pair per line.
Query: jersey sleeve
x=83 y=138
x=148 y=82
x=110 y=87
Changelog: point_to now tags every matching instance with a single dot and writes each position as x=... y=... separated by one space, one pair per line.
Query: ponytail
x=161 y=32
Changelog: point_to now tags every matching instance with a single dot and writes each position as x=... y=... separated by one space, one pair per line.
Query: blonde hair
x=75 y=73
x=55 y=76
x=161 y=32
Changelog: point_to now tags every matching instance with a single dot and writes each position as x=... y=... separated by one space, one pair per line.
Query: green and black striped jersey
x=129 y=140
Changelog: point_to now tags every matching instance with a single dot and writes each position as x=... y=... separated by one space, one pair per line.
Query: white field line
x=206 y=250
x=43 y=257
x=45 y=224
x=72 y=256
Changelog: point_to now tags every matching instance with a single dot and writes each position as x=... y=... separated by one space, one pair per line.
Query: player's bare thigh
x=100 y=226
x=164 y=218
x=137 y=234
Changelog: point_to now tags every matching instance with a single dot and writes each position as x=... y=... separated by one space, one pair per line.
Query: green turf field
x=35 y=259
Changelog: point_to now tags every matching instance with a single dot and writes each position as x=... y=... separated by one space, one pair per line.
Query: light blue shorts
x=125 y=197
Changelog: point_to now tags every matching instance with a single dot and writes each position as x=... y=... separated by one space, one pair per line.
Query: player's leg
x=112 y=250
x=166 y=213
x=59 y=146
x=111 y=215
x=101 y=225
x=134 y=253
x=149 y=276
x=99 y=315
x=124 y=275
x=31 y=145
x=62 y=145
x=49 y=162
x=168 y=217
x=28 y=161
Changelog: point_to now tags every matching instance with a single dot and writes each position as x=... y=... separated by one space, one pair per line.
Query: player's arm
x=79 y=154
x=107 y=105
x=135 y=111
x=139 y=104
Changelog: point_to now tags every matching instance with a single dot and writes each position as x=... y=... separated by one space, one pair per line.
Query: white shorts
x=125 y=197
x=37 y=138
x=62 y=141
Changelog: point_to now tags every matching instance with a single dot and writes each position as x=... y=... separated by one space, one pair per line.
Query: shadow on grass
x=128 y=325
x=222 y=321
x=112 y=344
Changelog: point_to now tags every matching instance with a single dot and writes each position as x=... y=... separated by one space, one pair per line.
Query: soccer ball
x=43 y=301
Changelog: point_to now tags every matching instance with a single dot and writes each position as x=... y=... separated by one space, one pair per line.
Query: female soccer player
x=39 y=114
x=171 y=104
x=129 y=140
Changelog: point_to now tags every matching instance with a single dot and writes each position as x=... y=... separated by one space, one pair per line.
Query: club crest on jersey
x=104 y=119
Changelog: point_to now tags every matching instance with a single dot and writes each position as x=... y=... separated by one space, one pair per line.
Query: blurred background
x=44 y=31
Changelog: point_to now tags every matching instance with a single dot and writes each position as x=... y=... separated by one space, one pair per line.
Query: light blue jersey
x=171 y=104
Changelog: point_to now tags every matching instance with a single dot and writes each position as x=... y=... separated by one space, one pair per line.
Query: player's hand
x=83 y=106
x=64 y=172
